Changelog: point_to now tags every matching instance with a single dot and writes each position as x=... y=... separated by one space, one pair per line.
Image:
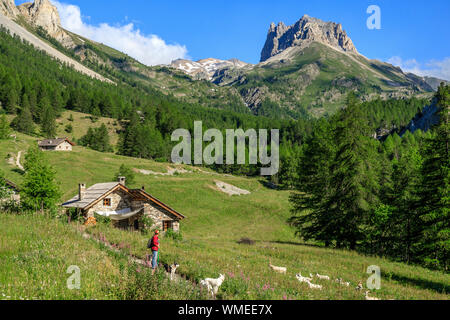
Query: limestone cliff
x=8 y=8
x=43 y=14
x=280 y=37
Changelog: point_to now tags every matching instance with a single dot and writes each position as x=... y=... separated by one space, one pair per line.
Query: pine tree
x=24 y=122
x=97 y=139
x=103 y=139
x=4 y=127
x=313 y=184
x=48 y=123
x=434 y=191
x=405 y=222
x=353 y=182
x=39 y=190
x=127 y=172
x=338 y=180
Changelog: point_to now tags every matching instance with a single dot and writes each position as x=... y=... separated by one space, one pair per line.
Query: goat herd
x=213 y=285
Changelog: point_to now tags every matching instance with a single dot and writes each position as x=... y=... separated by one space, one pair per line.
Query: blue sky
x=414 y=34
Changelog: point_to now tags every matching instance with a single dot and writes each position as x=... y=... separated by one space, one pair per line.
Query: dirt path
x=146 y=264
x=19 y=154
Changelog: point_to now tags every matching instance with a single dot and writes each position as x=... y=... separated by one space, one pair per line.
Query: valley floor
x=35 y=252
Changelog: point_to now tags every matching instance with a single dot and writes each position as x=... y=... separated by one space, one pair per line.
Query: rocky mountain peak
x=42 y=13
x=280 y=37
x=8 y=8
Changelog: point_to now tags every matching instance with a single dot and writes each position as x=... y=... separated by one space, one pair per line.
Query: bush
x=68 y=128
x=139 y=284
x=177 y=236
x=102 y=219
x=146 y=224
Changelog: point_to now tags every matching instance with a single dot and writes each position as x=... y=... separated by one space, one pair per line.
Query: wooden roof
x=99 y=191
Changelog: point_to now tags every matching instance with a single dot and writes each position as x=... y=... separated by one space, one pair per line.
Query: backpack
x=150 y=243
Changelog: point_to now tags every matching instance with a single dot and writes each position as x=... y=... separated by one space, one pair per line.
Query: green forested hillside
x=389 y=198
x=315 y=81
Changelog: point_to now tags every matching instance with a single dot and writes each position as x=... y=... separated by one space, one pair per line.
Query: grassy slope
x=36 y=252
x=215 y=221
x=82 y=122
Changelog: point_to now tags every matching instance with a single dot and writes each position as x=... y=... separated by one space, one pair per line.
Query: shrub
x=102 y=219
x=68 y=128
x=177 y=236
x=146 y=223
x=139 y=284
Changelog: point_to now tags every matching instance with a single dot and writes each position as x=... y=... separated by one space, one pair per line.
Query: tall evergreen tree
x=340 y=182
x=24 y=122
x=313 y=184
x=4 y=127
x=39 y=190
x=353 y=182
x=434 y=191
x=48 y=123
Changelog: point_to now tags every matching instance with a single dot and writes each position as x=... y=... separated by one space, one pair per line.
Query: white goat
x=172 y=271
x=277 y=269
x=342 y=282
x=302 y=279
x=213 y=285
x=370 y=298
x=314 y=286
x=322 y=277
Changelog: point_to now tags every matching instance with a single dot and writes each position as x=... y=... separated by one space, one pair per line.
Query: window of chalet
x=107 y=202
x=167 y=225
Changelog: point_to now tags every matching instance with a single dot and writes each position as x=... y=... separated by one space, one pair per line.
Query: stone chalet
x=124 y=206
x=57 y=144
x=14 y=190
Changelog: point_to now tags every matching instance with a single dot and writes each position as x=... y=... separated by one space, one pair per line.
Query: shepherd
x=153 y=244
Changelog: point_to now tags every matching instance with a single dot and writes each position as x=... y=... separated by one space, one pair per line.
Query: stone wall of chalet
x=121 y=200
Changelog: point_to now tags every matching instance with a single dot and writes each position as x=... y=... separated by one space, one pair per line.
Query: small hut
x=57 y=144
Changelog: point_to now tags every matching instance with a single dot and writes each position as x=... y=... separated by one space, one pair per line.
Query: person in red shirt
x=155 y=249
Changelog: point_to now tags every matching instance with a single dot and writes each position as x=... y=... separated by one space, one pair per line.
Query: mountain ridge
x=308 y=68
x=281 y=37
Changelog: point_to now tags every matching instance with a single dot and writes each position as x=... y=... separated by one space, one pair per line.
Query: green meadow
x=35 y=250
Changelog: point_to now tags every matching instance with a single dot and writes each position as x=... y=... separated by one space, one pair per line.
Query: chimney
x=143 y=188
x=81 y=190
x=122 y=180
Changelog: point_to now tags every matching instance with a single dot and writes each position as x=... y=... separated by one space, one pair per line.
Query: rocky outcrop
x=280 y=37
x=8 y=8
x=43 y=14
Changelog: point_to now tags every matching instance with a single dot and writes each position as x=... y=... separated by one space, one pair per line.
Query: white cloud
x=148 y=49
x=433 y=68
